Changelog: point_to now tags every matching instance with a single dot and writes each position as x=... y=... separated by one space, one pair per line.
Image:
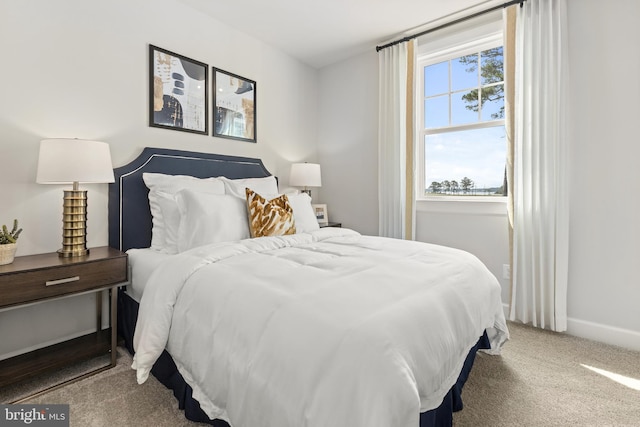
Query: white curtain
x=541 y=208
x=395 y=142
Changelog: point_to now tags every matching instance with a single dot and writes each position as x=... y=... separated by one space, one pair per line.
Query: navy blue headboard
x=129 y=214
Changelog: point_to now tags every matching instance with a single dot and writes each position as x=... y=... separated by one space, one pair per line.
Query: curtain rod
x=448 y=24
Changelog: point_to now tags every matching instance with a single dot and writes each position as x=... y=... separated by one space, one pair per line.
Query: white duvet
x=327 y=329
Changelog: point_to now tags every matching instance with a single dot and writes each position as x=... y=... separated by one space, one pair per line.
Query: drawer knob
x=61 y=281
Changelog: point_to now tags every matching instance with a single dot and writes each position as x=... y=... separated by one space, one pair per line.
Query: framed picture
x=321 y=213
x=178 y=94
x=234 y=106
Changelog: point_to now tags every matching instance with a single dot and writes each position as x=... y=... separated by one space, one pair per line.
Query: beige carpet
x=538 y=381
x=113 y=398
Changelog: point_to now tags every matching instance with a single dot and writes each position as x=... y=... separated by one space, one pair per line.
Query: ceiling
x=322 y=32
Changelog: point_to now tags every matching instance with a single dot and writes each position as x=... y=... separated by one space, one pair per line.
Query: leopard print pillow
x=269 y=217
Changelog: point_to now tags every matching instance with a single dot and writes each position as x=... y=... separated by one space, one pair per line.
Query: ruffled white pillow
x=164 y=209
x=236 y=187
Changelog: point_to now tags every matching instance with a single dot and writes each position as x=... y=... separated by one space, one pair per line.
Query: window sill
x=476 y=205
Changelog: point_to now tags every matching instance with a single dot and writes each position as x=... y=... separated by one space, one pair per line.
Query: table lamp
x=305 y=175
x=72 y=161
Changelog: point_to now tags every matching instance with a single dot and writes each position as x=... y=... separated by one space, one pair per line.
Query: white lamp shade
x=305 y=175
x=62 y=161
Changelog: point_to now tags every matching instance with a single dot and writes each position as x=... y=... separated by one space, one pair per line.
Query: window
x=462 y=136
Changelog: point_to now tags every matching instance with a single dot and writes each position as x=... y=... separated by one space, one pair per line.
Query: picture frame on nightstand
x=321 y=214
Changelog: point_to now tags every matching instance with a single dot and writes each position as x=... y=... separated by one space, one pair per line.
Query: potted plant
x=8 y=242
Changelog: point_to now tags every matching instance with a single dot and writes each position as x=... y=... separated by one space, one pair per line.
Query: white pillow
x=170 y=216
x=162 y=190
x=235 y=187
x=303 y=214
x=210 y=218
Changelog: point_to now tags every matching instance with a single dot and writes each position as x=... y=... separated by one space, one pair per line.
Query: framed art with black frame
x=234 y=106
x=178 y=94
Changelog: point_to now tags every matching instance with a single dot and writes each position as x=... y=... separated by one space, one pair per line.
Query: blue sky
x=478 y=154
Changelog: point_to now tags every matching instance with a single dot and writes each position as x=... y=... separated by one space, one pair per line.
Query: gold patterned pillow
x=269 y=217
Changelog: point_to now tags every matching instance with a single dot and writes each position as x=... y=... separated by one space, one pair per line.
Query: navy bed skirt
x=167 y=373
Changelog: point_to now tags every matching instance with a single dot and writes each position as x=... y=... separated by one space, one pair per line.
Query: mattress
x=142 y=263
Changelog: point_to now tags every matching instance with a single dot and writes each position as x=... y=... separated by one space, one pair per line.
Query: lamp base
x=74 y=224
x=62 y=253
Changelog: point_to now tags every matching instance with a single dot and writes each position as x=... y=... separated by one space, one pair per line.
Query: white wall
x=77 y=68
x=604 y=272
x=480 y=228
x=348 y=142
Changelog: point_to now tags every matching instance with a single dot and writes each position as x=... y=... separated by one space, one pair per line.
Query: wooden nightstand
x=331 y=224
x=36 y=278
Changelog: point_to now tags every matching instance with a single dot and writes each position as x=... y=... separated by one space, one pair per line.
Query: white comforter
x=324 y=329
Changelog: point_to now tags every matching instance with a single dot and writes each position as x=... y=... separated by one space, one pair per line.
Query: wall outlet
x=506 y=271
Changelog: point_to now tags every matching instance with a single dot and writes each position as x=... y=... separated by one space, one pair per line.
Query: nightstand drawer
x=66 y=279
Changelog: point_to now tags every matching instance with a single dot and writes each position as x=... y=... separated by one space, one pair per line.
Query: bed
x=321 y=327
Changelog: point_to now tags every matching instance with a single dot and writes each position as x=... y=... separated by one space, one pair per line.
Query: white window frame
x=447 y=48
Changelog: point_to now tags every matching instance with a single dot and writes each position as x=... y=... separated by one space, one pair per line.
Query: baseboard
x=611 y=335
x=604 y=333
